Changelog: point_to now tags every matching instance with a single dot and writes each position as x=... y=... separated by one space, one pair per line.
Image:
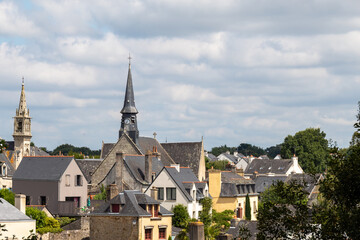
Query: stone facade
x=114 y=227
x=101 y=174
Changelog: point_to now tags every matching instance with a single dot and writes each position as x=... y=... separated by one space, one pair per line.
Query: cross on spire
x=154 y=135
x=23 y=80
x=129 y=59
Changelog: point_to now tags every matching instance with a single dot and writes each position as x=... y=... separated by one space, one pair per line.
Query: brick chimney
x=20 y=202
x=148 y=166
x=119 y=171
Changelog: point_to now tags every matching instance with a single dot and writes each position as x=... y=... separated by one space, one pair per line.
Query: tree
x=219 y=150
x=339 y=214
x=7 y=195
x=273 y=151
x=283 y=212
x=3 y=145
x=181 y=216
x=220 y=164
x=43 y=223
x=247 y=208
x=102 y=195
x=248 y=149
x=310 y=146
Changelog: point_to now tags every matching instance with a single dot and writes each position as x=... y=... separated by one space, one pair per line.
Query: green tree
x=244 y=232
x=7 y=195
x=3 y=145
x=310 y=146
x=248 y=149
x=339 y=214
x=220 y=164
x=273 y=151
x=43 y=223
x=247 y=208
x=283 y=212
x=181 y=216
x=219 y=150
x=102 y=195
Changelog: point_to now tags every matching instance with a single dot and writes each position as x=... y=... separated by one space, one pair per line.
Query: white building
x=179 y=185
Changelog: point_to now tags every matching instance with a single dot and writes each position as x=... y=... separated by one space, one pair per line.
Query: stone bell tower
x=22 y=129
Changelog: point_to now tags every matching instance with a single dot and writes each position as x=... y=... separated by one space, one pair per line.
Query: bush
x=65 y=220
x=181 y=216
x=8 y=195
x=43 y=223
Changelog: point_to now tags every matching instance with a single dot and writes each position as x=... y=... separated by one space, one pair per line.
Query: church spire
x=129 y=101
x=22 y=110
x=129 y=111
x=22 y=129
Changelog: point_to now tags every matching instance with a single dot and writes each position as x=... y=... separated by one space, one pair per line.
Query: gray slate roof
x=183 y=179
x=263 y=182
x=309 y=180
x=235 y=226
x=130 y=201
x=212 y=157
x=42 y=168
x=10 y=168
x=233 y=185
x=264 y=166
x=106 y=149
x=136 y=165
x=88 y=167
x=11 y=213
x=147 y=143
x=187 y=154
x=231 y=157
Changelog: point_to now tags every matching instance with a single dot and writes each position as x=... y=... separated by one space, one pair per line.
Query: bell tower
x=129 y=111
x=22 y=129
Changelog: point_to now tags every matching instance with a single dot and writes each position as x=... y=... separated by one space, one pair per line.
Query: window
x=42 y=200
x=156 y=210
x=67 y=180
x=161 y=193
x=28 y=200
x=150 y=209
x=115 y=208
x=148 y=234
x=162 y=233
x=78 y=180
x=170 y=193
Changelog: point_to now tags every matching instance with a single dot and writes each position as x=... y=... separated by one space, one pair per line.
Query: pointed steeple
x=129 y=101
x=22 y=110
x=129 y=111
x=22 y=129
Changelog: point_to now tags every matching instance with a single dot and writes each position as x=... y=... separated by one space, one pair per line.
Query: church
x=134 y=161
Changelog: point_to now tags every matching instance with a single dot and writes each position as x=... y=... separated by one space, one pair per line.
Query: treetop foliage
x=78 y=152
x=181 y=216
x=3 y=145
x=7 y=195
x=248 y=150
x=310 y=146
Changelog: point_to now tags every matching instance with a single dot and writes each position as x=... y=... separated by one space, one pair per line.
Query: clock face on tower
x=127 y=121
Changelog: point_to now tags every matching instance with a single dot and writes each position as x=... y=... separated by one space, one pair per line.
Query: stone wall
x=78 y=234
x=114 y=227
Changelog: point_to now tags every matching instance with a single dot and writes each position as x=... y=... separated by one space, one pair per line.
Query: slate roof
x=10 y=168
x=265 y=166
x=35 y=151
x=106 y=149
x=130 y=201
x=235 y=226
x=212 y=157
x=136 y=165
x=233 y=185
x=42 y=168
x=231 y=157
x=183 y=179
x=309 y=180
x=187 y=154
x=263 y=182
x=88 y=167
x=11 y=213
x=147 y=143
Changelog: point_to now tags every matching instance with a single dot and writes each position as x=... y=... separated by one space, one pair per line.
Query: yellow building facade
x=229 y=190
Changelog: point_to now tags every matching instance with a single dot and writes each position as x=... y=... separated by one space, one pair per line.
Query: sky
x=233 y=71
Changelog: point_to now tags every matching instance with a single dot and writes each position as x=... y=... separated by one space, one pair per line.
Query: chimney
x=111 y=191
x=196 y=231
x=236 y=153
x=295 y=160
x=154 y=193
x=233 y=168
x=119 y=171
x=148 y=166
x=176 y=166
x=255 y=174
x=20 y=202
x=240 y=172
